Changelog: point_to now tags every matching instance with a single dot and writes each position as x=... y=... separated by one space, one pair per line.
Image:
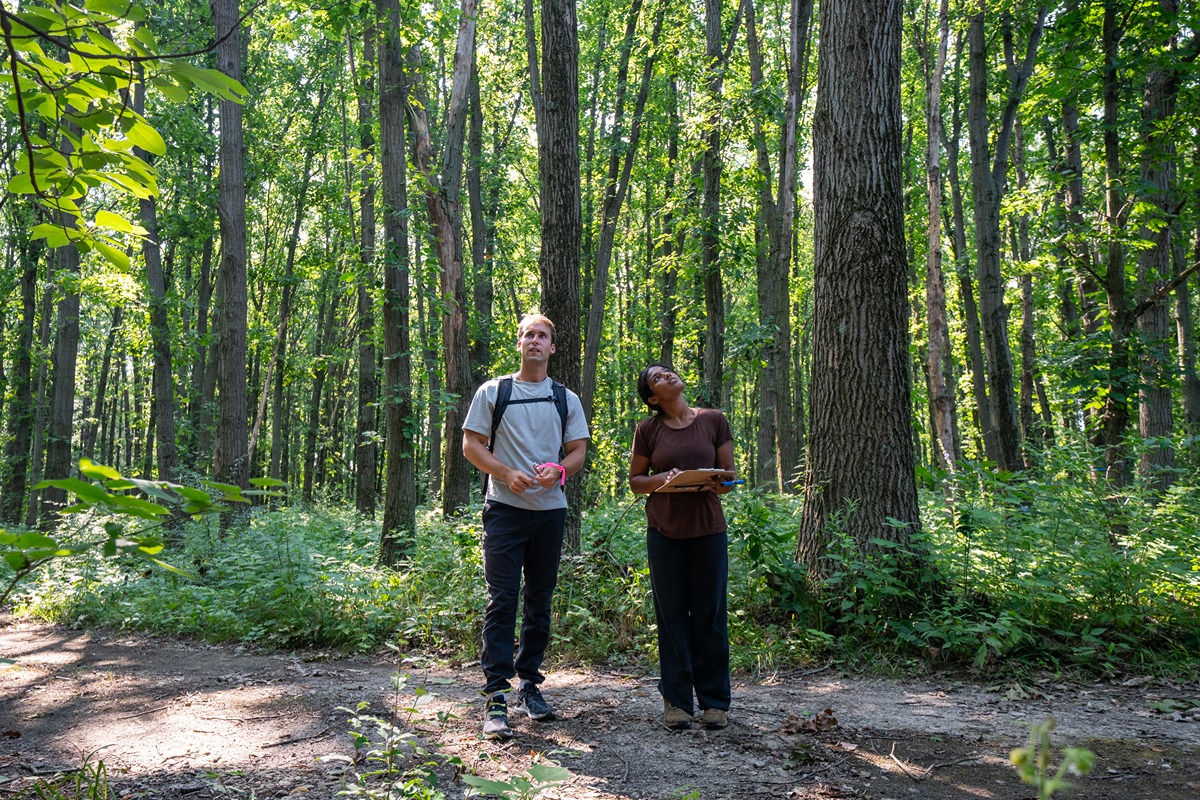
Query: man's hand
x=518 y=481
x=549 y=475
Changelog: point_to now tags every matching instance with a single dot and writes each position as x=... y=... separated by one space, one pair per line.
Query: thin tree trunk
x=966 y=288
x=712 y=391
x=940 y=393
x=671 y=252
x=23 y=411
x=620 y=166
x=988 y=177
x=366 y=451
x=445 y=215
x=160 y=330
x=62 y=406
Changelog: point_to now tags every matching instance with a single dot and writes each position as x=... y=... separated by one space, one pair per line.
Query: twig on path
x=928 y=771
x=624 y=777
x=251 y=719
x=808 y=672
x=144 y=713
x=903 y=768
x=297 y=739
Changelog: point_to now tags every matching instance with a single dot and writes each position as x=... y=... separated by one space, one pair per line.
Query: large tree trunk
x=400 y=493
x=1155 y=266
x=860 y=454
x=988 y=176
x=562 y=224
x=230 y=451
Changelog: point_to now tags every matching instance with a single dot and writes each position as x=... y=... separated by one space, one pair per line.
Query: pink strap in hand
x=561 y=469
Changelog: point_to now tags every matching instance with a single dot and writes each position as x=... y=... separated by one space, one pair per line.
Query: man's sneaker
x=495 y=718
x=674 y=717
x=714 y=718
x=531 y=702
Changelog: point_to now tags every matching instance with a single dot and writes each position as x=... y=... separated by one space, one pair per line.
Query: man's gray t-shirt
x=529 y=434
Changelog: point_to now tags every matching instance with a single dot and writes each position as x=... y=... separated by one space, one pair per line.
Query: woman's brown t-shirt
x=683 y=515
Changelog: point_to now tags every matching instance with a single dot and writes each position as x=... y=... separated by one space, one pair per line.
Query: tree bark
x=941 y=395
x=988 y=176
x=230 y=451
x=366 y=451
x=22 y=410
x=1155 y=265
x=400 y=494
x=562 y=224
x=62 y=404
x=860 y=454
x=712 y=391
x=445 y=215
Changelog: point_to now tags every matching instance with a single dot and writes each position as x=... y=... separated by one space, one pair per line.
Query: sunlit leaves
x=73 y=72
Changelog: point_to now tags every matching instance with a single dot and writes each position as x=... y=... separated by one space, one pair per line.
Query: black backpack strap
x=560 y=400
x=503 y=395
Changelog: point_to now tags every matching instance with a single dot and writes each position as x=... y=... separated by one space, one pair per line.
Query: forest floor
x=176 y=719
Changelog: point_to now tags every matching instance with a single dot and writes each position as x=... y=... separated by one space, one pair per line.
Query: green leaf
x=89 y=493
x=55 y=235
x=267 y=482
x=144 y=136
x=119 y=9
x=487 y=787
x=116 y=257
x=548 y=773
x=210 y=81
x=114 y=222
x=33 y=539
x=16 y=560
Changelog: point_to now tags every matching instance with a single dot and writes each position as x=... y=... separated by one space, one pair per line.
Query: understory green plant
x=89 y=782
x=1035 y=760
x=1007 y=572
x=113 y=520
x=540 y=776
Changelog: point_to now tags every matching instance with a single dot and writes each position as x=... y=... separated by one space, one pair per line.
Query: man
x=524 y=513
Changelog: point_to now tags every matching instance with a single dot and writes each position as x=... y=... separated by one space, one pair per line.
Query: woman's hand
x=667 y=476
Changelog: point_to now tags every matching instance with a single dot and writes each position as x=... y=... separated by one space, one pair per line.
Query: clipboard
x=693 y=480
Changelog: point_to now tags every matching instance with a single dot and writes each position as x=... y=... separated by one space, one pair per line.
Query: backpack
x=558 y=396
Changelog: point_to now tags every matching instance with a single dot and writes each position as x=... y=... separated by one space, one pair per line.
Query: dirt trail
x=180 y=720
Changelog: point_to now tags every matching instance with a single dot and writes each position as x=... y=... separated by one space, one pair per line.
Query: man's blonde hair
x=534 y=319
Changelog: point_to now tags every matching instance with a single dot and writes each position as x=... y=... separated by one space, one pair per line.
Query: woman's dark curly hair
x=643 y=384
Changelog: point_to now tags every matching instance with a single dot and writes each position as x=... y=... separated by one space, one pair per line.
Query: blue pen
x=738 y=482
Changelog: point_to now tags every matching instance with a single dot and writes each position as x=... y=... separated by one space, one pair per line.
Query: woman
x=687 y=547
